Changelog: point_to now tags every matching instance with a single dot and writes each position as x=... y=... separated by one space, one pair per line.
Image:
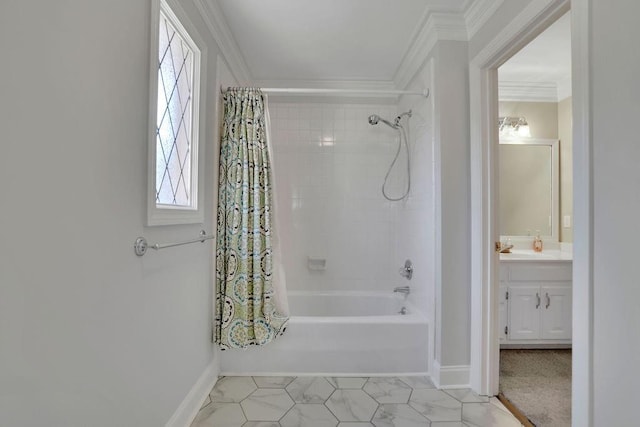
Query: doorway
x=483 y=77
x=484 y=114
x=535 y=224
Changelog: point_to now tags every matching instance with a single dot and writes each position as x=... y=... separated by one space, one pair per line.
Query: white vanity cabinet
x=535 y=302
x=502 y=313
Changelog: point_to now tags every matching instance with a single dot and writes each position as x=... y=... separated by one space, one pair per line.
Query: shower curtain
x=251 y=307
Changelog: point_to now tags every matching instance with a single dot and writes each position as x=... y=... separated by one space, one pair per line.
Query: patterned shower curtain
x=247 y=310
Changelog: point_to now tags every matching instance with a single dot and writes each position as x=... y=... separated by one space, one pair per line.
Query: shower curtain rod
x=312 y=91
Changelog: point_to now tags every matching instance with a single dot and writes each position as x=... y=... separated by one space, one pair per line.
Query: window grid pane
x=174 y=118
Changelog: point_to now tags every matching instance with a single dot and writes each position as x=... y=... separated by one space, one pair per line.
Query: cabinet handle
x=538 y=298
x=548 y=300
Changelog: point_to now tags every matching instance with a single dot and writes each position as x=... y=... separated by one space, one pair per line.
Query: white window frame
x=163 y=214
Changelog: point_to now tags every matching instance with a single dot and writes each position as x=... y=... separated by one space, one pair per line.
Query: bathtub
x=340 y=333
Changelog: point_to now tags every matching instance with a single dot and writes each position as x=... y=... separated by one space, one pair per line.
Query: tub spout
x=403 y=290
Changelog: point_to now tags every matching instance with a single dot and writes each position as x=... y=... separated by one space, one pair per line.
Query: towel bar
x=141 y=245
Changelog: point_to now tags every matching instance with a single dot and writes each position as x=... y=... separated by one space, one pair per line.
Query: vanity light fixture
x=514 y=126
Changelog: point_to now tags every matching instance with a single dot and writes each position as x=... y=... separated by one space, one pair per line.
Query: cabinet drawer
x=540 y=272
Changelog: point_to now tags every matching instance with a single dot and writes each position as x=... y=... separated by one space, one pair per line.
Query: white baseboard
x=188 y=409
x=453 y=376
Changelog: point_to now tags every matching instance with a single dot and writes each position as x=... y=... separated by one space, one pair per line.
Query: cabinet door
x=524 y=312
x=556 y=312
x=502 y=313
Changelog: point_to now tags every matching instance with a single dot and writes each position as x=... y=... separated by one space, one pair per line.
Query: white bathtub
x=346 y=333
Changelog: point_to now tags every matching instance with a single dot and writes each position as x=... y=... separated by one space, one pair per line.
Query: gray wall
x=616 y=198
x=614 y=173
x=452 y=202
x=90 y=334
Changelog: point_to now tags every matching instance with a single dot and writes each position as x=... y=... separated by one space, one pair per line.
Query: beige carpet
x=538 y=382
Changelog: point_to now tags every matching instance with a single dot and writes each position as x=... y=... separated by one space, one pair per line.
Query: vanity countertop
x=530 y=255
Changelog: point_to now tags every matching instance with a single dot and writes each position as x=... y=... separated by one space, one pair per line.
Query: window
x=175 y=110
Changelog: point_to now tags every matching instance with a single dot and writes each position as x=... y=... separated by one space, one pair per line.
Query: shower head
x=374 y=119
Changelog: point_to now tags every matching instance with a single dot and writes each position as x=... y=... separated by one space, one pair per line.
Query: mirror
x=529 y=189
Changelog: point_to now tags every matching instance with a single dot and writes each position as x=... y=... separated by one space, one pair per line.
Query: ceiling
x=544 y=63
x=377 y=42
x=311 y=40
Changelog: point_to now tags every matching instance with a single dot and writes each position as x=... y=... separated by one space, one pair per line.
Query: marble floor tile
x=345 y=402
x=352 y=405
x=220 y=415
x=232 y=389
x=347 y=382
x=388 y=390
x=418 y=382
x=448 y=424
x=487 y=415
x=495 y=401
x=309 y=415
x=436 y=405
x=261 y=424
x=398 y=415
x=310 y=390
x=273 y=382
x=266 y=404
x=466 y=395
x=355 y=424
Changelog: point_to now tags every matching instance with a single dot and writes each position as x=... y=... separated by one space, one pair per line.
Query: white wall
x=616 y=200
x=329 y=167
x=416 y=216
x=90 y=334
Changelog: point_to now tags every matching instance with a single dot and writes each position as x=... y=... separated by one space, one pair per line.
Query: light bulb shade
x=524 y=131
x=514 y=127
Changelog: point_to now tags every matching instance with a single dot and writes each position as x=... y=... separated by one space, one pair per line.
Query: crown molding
x=437 y=26
x=553 y=8
x=215 y=22
x=478 y=12
x=528 y=91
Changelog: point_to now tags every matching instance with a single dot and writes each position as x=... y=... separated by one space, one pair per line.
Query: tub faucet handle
x=407 y=270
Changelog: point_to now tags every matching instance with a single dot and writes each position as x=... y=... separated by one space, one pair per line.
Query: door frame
x=483 y=97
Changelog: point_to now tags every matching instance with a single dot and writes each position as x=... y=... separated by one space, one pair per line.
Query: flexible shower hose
x=402 y=133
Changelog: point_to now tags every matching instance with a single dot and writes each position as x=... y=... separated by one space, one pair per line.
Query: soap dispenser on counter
x=537 y=242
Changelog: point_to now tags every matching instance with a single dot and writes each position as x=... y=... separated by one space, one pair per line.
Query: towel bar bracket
x=140 y=246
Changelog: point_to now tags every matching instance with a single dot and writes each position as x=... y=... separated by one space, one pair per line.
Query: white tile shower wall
x=329 y=167
x=415 y=225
